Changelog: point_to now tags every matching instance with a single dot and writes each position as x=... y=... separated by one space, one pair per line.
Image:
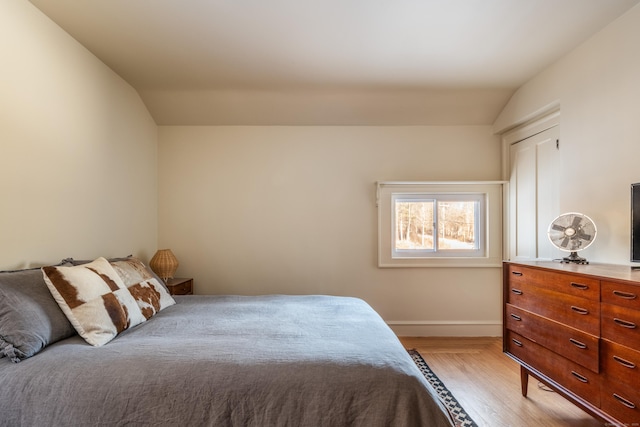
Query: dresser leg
x=524 y=380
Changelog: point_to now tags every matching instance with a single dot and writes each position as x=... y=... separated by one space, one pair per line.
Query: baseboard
x=446 y=328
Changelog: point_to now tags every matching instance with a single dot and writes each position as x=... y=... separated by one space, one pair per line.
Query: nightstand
x=180 y=286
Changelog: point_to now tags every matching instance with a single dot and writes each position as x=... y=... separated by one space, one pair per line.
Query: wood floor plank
x=487 y=384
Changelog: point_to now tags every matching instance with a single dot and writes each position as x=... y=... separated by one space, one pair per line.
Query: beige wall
x=78 y=163
x=598 y=89
x=254 y=210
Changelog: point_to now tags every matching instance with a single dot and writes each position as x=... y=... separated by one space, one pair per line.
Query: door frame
x=540 y=121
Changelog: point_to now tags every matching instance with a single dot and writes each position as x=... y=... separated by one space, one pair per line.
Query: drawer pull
x=515 y=316
x=624 y=323
x=577 y=343
x=625 y=295
x=580 y=310
x=624 y=362
x=579 y=286
x=624 y=401
x=579 y=377
x=516 y=342
x=516 y=273
x=516 y=291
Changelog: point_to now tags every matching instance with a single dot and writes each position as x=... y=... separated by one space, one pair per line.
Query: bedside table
x=180 y=286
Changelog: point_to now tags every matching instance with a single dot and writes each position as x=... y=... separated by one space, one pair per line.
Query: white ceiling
x=324 y=62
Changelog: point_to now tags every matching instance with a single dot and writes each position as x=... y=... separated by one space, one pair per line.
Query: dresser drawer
x=621 y=402
x=620 y=364
x=584 y=287
x=579 y=313
x=619 y=293
x=620 y=324
x=571 y=343
x=571 y=376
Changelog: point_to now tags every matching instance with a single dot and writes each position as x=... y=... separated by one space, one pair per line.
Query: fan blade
x=576 y=222
x=558 y=227
x=565 y=242
x=583 y=236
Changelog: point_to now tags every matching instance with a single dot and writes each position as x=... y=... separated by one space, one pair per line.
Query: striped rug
x=460 y=416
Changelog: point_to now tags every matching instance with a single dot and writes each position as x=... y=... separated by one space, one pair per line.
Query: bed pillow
x=30 y=319
x=132 y=271
x=149 y=291
x=94 y=299
x=73 y=261
x=113 y=261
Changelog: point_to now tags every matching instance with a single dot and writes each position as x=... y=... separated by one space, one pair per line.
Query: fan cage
x=572 y=232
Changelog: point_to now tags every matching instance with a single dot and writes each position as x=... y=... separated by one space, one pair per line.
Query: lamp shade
x=164 y=263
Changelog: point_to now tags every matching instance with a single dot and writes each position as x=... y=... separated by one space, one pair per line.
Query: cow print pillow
x=150 y=294
x=96 y=300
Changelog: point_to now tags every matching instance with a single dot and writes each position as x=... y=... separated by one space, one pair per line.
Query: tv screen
x=635 y=222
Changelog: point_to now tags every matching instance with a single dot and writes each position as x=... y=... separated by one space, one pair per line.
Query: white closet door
x=534 y=198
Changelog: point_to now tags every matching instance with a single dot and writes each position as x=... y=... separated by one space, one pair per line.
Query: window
x=439 y=224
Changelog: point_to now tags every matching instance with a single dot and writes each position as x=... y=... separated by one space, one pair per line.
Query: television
x=635 y=223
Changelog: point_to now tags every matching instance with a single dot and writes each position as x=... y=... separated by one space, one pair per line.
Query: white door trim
x=539 y=121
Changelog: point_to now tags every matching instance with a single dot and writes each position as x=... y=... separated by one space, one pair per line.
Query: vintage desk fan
x=572 y=232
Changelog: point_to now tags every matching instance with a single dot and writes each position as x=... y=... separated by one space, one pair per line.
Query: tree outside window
x=417 y=219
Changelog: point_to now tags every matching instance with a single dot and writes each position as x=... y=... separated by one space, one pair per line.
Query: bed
x=273 y=360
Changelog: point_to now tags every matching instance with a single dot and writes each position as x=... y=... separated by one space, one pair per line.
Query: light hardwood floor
x=487 y=384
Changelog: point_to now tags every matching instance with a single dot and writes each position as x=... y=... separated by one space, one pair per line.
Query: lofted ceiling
x=329 y=62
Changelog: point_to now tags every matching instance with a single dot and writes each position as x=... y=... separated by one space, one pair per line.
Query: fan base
x=574 y=258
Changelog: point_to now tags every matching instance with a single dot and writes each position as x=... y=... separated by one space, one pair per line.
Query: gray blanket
x=229 y=361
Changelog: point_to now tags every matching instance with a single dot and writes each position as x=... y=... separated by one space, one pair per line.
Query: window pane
x=414 y=225
x=457 y=225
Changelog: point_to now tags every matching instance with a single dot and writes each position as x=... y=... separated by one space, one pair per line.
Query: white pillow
x=151 y=295
x=95 y=300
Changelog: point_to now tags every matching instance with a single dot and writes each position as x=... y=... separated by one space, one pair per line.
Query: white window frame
x=489 y=194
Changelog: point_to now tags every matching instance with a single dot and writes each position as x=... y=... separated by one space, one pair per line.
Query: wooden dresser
x=576 y=328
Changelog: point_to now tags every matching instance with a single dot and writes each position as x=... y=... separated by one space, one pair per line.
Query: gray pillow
x=30 y=318
x=87 y=261
x=115 y=260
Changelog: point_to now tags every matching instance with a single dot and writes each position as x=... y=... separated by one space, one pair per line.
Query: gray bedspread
x=228 y=361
